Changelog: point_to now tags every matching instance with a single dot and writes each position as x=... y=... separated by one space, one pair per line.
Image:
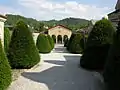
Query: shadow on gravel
x=55 y=62
x=67 y=77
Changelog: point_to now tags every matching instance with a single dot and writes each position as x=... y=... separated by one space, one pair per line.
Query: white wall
x=2 y=20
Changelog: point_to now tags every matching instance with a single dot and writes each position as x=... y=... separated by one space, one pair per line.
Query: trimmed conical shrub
x=22 y=51
x=75 y=45
x=97 y=46
x=7 y=38
x=5 y=71
x=51 y=41
x=69 y=42
x=43 y=44
x=112 y=68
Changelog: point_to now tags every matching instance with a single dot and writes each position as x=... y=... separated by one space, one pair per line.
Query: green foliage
x=82 y=43
x=112 y=73
x=43 y=44
x=37 y=26
x=51 y=41
x=75 y=45
x=5 y=71
x=70 y=40
x=74 y=23
x=7 y=38
x=22 y=52
x=99 y=40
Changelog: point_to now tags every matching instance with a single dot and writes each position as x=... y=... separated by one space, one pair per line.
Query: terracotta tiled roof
x=60 y=26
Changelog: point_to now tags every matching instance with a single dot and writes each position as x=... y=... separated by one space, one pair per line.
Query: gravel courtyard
x=59 y=71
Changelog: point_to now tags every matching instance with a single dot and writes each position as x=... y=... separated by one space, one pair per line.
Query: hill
x=72 y=23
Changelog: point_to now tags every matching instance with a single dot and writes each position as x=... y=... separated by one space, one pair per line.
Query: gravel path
x=59 y=71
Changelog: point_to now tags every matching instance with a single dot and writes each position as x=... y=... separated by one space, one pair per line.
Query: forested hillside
x=72 y=23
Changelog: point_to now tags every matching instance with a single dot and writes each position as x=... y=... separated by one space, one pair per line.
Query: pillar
x=56 y=39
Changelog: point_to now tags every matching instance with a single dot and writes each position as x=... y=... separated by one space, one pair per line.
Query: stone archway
x=65 y=38
x=59 y=39
x=54 y=38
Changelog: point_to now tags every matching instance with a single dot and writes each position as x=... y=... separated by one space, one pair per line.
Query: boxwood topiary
x=51 y=41
x=5 y=71
x=7 y=38
x=75 y=45
x=70 y=40
x=22 y=51
x=111 y=72
x=98 y=43
x=43 y=44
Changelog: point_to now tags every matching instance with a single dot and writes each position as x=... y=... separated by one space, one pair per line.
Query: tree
x=22 y=51
x=70 y=40
x=98 y=43
x=75 y=45
x=43 y=44
x=111 y=73
x=5 y=71
x=51 y=41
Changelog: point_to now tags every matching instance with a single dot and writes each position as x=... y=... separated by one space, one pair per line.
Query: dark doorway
x=65 y=38
x=54 y=38
x=59 y=39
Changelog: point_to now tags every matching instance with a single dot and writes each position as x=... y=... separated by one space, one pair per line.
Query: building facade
x=60 y=33
x=114 y=17
x=2 y=20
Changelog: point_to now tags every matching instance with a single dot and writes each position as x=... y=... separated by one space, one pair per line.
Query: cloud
x=47 y=9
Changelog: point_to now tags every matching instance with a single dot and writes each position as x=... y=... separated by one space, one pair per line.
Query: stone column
x=2 y=20
x=56 y=40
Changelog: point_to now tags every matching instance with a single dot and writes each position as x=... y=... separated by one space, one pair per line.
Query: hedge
x=22 y=53
x=97 y=46
x=75 y=44
x=51 y=41
x=5 y=71
x=43 y=44
x=112 y=73
x=70 y=40
x=7 y=38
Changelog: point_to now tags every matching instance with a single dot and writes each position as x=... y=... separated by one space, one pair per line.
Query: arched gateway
x=59 y=33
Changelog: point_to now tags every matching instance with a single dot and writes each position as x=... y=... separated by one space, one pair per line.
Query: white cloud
x=46 y=10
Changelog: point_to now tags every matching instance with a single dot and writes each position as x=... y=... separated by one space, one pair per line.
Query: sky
x=58 y=9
